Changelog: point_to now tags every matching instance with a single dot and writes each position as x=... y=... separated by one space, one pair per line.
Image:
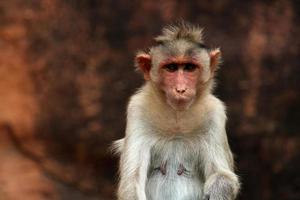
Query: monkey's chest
x=174 y=172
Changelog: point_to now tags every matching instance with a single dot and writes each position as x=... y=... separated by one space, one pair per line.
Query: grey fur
x=222 y=185
x=182 y=30
x=169 y=186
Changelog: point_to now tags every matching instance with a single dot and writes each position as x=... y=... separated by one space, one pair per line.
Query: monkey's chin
x=180 y=104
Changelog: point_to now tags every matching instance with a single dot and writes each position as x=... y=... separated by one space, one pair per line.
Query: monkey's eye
x=172 y=67
x=190 y=67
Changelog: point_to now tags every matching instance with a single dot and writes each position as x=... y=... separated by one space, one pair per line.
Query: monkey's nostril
x=180 y=91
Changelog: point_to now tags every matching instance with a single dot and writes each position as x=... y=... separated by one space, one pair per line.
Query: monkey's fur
x=176 y=154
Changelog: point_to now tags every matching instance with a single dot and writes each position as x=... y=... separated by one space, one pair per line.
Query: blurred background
x=66 y=73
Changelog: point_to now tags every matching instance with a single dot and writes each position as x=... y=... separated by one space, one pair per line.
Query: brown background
x=66 y=73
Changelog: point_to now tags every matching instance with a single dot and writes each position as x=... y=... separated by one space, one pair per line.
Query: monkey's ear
x=143 y=63
x=215 y=59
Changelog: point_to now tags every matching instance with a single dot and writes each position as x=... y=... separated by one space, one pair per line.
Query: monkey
x=175 y=146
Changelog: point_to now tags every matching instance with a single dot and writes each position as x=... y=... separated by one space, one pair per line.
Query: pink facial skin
x=179 y=78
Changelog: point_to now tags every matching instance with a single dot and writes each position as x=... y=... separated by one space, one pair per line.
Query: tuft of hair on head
x=181 y=30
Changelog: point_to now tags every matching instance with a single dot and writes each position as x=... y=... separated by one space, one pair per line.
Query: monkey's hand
x=221 y=186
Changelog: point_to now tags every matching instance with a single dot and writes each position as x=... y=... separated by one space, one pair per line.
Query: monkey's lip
x=181 y=100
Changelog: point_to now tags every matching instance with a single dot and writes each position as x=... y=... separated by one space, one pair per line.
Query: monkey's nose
x=180 y=90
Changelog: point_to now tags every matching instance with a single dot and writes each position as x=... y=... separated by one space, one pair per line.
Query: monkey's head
x=180 y=66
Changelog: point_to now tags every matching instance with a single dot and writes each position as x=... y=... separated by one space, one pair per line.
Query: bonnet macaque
x=175 y=147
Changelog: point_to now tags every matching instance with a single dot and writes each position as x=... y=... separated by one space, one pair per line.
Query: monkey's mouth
x=180 y=102
x=183 y=98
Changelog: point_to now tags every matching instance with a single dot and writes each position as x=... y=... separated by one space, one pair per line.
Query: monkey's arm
x=135 y=156
x=133 y=171
x=221 y=183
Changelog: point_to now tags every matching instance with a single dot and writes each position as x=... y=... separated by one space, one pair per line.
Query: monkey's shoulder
x=216 y=103
x=136 y=103
x=143 y=102
x=212 y=105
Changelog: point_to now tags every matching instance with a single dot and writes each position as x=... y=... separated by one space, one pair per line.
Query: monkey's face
x=178 y=79
x=180 y=69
